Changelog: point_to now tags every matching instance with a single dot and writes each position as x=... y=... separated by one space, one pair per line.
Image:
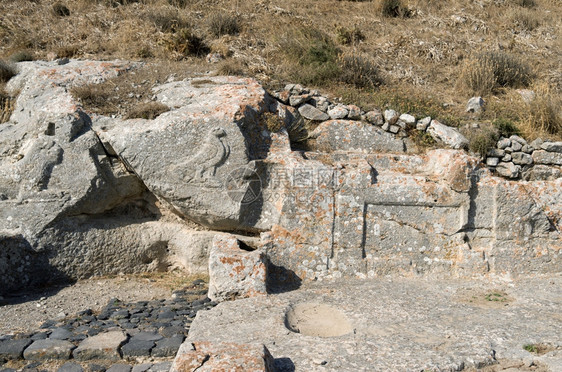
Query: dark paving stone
x=137 y=348
x=8 y=370
x=119 y=368
x=172 y=330
x=70 y=367
x=13 y=349
x=120 y=314
x=48 y=349
x=77 y=338
x=40 y=336
x=96 y=368
x=86 y=312
x=60 y=334
x=31 y=366
x=142 y=367
x=93 y=331
x=161 y=367
x=167 y=347
x=167 y=315
x=147 y=336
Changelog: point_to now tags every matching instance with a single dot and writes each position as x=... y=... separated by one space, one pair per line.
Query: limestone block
x=223 y=356
x=448 y=135
x=354 y=136
x=234 y=272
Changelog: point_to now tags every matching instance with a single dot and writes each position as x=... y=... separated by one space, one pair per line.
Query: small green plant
x=531 y=348
x=526 y=3
x=21 y=56
x=186 y=43
x=346 y=36
x=61 y=10
x=148 y=111
x=422 y=139
x=313 y=56
x=223 y=24
x=495 y=297
x=506 y=127
x=482 y=140
x=6 y=71
x=393 y=8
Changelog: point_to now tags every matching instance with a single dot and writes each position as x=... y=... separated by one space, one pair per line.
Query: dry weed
x=359 y=71
x=7 y=105
x=232 y=67
x=223 y=24
x=7 y=71
x=544 y=115
x=492 y=70
x=149 y=111
x=392 y=8
x=525 y=19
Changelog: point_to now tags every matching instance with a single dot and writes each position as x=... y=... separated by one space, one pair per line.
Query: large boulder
x=200 y=157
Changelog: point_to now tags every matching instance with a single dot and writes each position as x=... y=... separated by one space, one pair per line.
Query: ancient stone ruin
x=210 y=186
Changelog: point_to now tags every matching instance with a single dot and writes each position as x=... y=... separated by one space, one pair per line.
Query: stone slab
x=13 y=349
x=48 y=349
x=400 y=324
x=102 y=346
x=223 y=356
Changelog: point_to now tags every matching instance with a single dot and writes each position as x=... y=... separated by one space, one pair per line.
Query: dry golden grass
x=7 y=105
x=423 y=50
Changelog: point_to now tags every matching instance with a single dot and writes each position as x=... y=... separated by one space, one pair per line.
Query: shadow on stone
x=284 y=365
x=281 y=279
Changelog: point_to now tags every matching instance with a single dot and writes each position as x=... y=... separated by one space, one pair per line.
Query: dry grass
x=544 y=115
x=223 y=24
x=7 y=71
x=424 y=49
x=359 y=71
x=149 y=111
x=7 y=105
x=492 y=70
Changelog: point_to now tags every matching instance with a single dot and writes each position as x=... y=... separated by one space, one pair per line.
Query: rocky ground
x=398 y=324
x=113 y=324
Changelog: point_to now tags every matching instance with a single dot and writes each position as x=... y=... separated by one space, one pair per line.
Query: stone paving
x=142 y=336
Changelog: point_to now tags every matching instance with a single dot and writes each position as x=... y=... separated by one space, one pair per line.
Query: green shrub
x=506 y=127
x=483 y=140
x=359 y=71
x=526 y=3
x=223 y=24
x=492 y=70
x=21 y=56
x=346 y=36
x=60 y=10
x=186 y=43
x=393 y=8
x=6 y=71
x=313 y=56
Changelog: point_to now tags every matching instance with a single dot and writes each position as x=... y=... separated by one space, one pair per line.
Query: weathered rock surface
x=103 y=346
x=48 y=349
x=354 y=136
x=448 y=135
x=223 y=356
x=234 y=272
x=398 y=325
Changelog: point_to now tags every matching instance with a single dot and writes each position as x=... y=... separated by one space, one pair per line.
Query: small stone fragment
x=338 y=112
x=552 y=146
x=391 y=116
x=354 y=112
x=448 y=135
x=521 y=158
x=546 y=157
x=516 y=146
x=137 y=348
x=119 y=368
x=475 y=105
x=312 y=113
x=492 y=161
x=374 y=117
x=508 y=170
x=408 y=119
x=70 y=367
x=423 y=123
x=503 y=143
x=142 y=367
